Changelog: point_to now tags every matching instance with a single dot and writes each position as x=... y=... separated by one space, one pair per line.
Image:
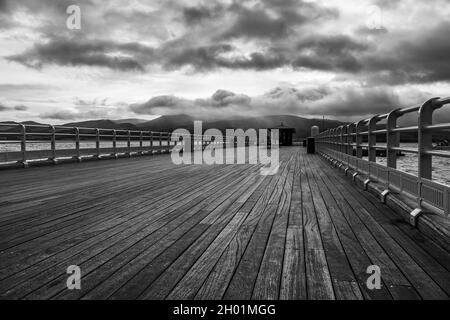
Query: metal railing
x=347 y=144
x=22 y=143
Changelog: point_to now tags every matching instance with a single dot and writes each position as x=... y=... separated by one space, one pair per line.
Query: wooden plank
x=338 y=264
x=161 y=288
x=243 y=281
x=355 y=253
x=267 y=285
x=98 y=270
x=144 y=228
x=319 y=285
x=222 y=207
x=419 y=279
x=180 y=211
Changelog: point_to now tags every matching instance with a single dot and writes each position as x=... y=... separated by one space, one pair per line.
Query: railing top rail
x=99 y=130
x=437 y=102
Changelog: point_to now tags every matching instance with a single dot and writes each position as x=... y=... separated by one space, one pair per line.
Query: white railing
x=21 y=144
x=346 y=144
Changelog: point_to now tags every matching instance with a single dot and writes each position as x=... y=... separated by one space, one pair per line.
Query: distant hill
x=25 y=122
x=169 y=123
x=301 y=125
x=131 y=121
x=104 y=124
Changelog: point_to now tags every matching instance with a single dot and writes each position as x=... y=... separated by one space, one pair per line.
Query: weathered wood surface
x=143 y=228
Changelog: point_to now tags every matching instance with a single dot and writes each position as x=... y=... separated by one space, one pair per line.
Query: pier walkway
x=145 y=228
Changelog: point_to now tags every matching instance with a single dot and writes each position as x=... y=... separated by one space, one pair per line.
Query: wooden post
x=350 y=139
x=129 y=142
x=141 y=142
x=115 y=143
x=341 y=139
x=425 y=138
x=97 y=142
x=53 y=144
x=359 y=139
x=151 y=142
x=23 y=146
x=372 y=139
x=392 y=139
x=77 y=144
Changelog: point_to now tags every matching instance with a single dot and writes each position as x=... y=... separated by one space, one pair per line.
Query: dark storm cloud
x=169 y=104
x=387 y=4
x=211 y=57
x=84 y=53
x=320 y=100
x=21 y=108
x=176 y=55
x=60 y=115
x=165 y=102
x=331 y=53
x=368 y=101
x=312 y=94
x=225 y=98
x=279 y=33
x=16 y=108
x=419 y=59
x=257 y=22
x=196 y=15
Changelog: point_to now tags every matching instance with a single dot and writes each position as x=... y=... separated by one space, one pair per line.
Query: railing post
x=151 y=142
x=336 y=139
x=330 y=139
x=77 y=144
x=129 y=142
x=343 y=139
x=372 y=138
x=53 y=144
x=115 y=143
x=392 y=139
x=97 y=142
x=160 y=142
x=23 y=146
x=425 y=139
x=141 y=142
x=350 y=139
x=173 y=143
x=359 y=139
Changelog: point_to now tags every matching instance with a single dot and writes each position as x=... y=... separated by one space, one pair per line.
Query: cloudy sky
x=211 y=59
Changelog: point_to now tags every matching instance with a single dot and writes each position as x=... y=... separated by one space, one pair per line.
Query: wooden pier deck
x=143 y=228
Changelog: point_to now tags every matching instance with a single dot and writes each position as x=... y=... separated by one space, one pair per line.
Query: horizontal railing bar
x=440 y=126
x=408 y=150
x=444 y=154
x=405 y=129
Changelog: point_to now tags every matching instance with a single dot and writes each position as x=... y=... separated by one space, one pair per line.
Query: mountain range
x=169 y=123
x=301 y=125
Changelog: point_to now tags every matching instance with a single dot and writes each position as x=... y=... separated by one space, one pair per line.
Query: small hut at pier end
x=285 y=134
